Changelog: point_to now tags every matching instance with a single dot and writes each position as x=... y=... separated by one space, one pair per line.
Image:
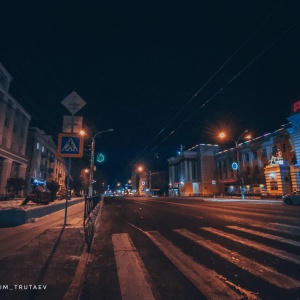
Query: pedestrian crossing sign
x=70 y=145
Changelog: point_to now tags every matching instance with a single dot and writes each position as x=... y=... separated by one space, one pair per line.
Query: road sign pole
x=73 y=103
x=68 y=178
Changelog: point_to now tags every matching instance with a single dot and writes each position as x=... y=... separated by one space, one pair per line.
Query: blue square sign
x=70 y=145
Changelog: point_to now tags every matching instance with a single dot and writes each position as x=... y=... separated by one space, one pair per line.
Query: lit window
x=37 y=145
x=43 y=149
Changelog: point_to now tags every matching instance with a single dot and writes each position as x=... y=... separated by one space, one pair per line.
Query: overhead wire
x=213 y=76
x=230 y=81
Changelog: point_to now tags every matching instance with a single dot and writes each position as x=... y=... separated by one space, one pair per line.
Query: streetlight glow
x=222 y=135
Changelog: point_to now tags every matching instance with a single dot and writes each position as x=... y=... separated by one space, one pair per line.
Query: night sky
x=160 y=73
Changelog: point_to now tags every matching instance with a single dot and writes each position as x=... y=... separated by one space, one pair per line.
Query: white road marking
x=204 y=279
x=133 y=276
x=266 y=273
x=295 y=230
x=275 y=252
x=266 y=235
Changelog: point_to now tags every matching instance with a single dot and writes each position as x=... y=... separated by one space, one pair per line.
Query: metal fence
x=90 y=214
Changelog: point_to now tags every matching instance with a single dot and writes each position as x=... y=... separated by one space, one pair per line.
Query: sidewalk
x=12 y=213
x=232 y=199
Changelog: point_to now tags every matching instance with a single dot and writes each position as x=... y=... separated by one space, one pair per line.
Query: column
x=6 y=170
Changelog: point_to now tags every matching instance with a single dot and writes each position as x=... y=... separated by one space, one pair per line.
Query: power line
x=212 y=77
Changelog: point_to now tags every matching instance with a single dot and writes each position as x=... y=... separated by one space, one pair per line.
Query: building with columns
x=192 y=172
x=14 y=123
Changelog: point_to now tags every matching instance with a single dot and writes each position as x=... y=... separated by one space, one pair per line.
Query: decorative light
x=100 y=158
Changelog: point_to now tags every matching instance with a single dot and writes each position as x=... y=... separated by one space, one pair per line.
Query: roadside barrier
x=90 y=214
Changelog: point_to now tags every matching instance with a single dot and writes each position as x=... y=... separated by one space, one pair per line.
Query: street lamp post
x=239 y=175
x=93 y=161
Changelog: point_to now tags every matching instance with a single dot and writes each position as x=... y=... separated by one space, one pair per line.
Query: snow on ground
x=16 y=204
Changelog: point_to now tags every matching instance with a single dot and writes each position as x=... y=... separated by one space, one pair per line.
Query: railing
x=90 y=213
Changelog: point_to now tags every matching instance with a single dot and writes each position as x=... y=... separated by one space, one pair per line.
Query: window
x=256 y=170
x=254 y=155
x=247 y=156
x=43 y=149
x=37 y=145
x=264 y=152
x=274 y=150
x=248 y=171
x=283 y=148
x=3 y=79
x=14 y=128
x=225 y=169
x=21 y=133
x=6 y=123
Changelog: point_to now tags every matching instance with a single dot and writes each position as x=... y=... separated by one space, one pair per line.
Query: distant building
x=43 y=163
x=255 y=156
x=14 y=122
x=268 y=164
x=149 y=183
x=192 y=171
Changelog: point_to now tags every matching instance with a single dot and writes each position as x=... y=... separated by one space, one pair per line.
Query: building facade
x=14 y=123
x=268 y=164
x=256 y=157
x=43 y=163
x=192 y=172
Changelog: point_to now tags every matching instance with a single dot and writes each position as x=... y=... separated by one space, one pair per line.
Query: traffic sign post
x=213 y=182
x=70 y=146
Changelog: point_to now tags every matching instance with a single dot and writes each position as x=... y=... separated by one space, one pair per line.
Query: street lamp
x=139 y=171
x=222 y=135
x=92 y=161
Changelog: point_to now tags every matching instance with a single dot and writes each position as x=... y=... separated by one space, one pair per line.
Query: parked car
x=292 y=198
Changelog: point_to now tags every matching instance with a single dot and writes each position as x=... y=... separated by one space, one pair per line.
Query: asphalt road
x=189 y=249
x=157 y=248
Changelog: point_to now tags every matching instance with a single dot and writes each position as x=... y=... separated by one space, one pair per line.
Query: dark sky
x=160 y=73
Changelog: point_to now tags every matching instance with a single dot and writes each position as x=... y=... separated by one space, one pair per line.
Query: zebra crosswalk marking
x=266 y=273
x=275 y=252
x=211 y=286
x=133 y=276
x=295 y=230
x=266 y=235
